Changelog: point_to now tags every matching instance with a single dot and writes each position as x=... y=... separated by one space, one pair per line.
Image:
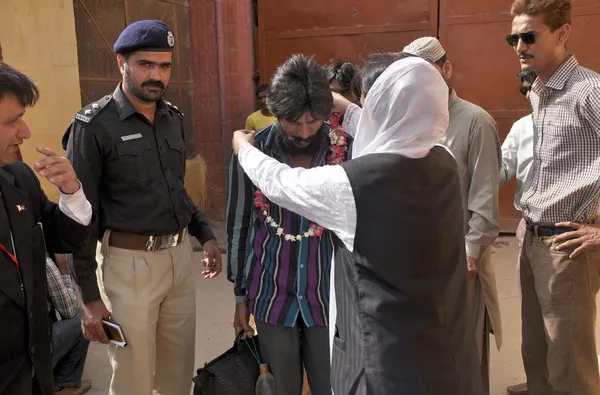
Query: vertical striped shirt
x=280 y=279
x=563 y=183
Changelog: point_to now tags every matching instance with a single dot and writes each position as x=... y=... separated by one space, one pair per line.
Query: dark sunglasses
x=524 y=90
x=528 y=38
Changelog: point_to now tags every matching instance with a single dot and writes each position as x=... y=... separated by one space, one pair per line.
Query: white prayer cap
x=428 y=48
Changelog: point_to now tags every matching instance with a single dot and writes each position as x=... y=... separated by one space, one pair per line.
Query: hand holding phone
x=114 y=333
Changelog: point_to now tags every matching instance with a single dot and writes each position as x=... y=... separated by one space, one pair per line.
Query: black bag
x=232 y=373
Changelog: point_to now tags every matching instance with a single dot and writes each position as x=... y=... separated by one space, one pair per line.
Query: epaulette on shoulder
x=175 y=109
x=88 y=113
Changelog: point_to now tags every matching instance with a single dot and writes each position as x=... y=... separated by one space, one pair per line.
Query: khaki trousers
x=559 y=317
x=152 y=296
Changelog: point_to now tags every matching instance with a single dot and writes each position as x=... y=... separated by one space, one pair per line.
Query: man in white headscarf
x=400 y=325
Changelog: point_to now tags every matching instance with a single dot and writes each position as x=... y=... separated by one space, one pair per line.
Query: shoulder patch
x=88 y=113
x=175 y=109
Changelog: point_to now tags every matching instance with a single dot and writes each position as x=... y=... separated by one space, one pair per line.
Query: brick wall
x=222 y=50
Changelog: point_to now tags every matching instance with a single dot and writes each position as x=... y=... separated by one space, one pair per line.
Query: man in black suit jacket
x=30 y=226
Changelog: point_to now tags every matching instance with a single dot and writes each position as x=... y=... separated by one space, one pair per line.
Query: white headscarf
x=405 y=112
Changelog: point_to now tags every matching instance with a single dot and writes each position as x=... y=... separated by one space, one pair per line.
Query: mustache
x=524 y=55
x=299 y=140
x=155 y=83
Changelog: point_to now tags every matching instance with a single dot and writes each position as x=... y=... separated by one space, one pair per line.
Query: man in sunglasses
x=278 y=261
x=517 y=155
x=473 y=139
x=558 y=286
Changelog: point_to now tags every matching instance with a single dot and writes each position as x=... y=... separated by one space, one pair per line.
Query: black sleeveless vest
x=401 y=325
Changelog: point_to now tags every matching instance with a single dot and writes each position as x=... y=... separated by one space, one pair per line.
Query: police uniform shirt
x=133 y=172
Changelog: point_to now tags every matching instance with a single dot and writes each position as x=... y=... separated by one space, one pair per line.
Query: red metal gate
x=342 y=29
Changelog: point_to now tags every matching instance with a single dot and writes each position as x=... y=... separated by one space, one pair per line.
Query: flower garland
x=338 y=142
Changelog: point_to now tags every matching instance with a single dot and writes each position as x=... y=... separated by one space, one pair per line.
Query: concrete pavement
x=214 y=333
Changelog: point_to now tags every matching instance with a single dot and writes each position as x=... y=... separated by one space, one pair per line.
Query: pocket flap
x=133 y=147
x=176 y=143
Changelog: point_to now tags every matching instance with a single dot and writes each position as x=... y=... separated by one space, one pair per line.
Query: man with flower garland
x=278 y=261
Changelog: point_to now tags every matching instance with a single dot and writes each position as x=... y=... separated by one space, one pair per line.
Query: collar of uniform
x=9 y=177
x=161 y=107
x=124 y=106
x=560 y=77
x=126 y=109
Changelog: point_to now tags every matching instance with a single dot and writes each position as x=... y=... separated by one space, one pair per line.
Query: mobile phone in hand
x=114 y=333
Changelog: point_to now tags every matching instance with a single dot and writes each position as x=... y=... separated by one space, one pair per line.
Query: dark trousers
x=69 y=350
x=288 y=350
x=23 y=383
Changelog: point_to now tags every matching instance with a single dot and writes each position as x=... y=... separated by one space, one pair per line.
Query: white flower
x=273 y=224
x=298 y=237
x=265 y=213
x=279 y=231
x=269 y=218
x=290 y=237
x=310 y=232
x=306 y=234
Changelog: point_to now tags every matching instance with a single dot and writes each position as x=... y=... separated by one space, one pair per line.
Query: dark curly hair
x=343 y=73
x=298 y=86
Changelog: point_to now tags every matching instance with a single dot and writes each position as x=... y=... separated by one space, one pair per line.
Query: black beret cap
x=147 y=35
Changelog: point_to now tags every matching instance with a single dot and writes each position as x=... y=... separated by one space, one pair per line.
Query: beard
x=143 y=94
x=290 y=144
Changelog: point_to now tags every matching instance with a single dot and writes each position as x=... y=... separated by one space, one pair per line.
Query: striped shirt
x=563 y=183
x=280 y=279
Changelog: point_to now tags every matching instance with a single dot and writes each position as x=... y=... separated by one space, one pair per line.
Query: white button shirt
x=517 y=155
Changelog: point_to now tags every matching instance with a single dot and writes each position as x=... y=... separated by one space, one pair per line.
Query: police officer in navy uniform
x=129 y=153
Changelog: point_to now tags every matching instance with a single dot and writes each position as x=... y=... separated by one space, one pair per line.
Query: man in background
x=69 y=347
x=262 y=118
x=517 y=154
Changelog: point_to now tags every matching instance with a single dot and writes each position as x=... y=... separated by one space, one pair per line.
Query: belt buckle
x=156 y=243
x=168 y=241
x=151 y=243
